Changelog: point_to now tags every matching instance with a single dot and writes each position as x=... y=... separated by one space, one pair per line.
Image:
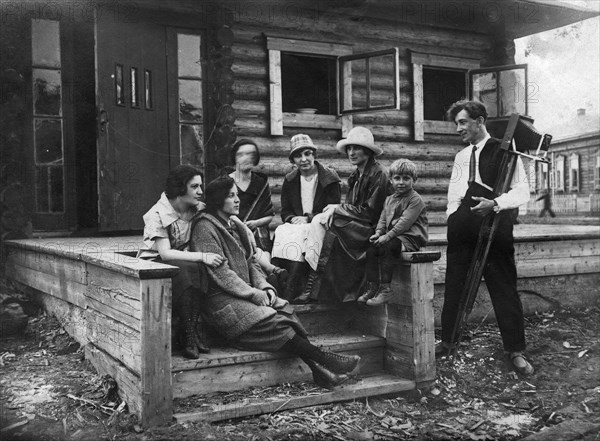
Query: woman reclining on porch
x=240 y=304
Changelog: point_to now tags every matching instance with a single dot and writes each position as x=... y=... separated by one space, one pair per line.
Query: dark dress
x=263 y=208
x=343 y=256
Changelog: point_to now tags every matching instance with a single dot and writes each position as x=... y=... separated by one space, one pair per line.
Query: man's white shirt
x=459 y=181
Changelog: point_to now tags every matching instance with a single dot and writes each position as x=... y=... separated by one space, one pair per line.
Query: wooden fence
x=567 y=203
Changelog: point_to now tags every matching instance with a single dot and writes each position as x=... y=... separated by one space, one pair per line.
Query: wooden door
x=133 y=141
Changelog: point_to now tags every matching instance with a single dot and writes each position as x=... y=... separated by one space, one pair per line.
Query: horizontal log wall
x=393 y=130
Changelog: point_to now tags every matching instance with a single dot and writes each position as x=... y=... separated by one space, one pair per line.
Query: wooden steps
x=226 y=369
x=379 y=384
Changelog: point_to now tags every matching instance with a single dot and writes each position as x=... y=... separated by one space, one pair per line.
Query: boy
x=402 y=226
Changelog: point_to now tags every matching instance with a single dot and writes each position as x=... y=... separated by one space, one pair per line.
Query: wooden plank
x=100 y=252
x=345 y=29
x=556 y=249
x=104 y=301
x=540 y=268
x=279 y=147
x=418 y=112
x=421 y=256
x=349 y=341
x=401 y=285
x=66 y=290
x=439 y=127
x=276 y=104
x=423 y=322
x=129 y=386
x=438 y=169
x=63 y=268
x=88 y=326
x=315 y=121
x=307 y=47
x=443 y=61
x=155 y=352
x=347 y=98
x=260 y=374
x=369 y=386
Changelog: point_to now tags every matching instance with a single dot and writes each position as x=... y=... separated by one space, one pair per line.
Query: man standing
x=470 y=199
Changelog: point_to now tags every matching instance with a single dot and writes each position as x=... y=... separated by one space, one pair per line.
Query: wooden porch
x=119 y=308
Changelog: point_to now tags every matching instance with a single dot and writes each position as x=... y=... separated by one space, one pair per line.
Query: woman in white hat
x=305 y=192
x=337 y=260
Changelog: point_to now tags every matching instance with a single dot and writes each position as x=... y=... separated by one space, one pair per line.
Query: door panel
x=133 y=143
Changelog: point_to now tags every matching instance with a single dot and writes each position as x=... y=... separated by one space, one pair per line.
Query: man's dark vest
x=464 y=227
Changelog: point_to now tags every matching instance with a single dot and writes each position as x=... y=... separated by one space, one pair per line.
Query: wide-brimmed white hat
x=359 y=136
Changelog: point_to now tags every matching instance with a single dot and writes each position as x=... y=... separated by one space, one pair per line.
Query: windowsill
x=439 y=127
x=315 y=121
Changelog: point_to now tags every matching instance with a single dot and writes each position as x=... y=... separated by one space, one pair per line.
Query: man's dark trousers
x=500 y=274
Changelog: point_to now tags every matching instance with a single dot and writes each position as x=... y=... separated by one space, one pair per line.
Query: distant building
x=574 y=173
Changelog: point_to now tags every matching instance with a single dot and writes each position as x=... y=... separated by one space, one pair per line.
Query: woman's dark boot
x=312 y=285
x=294 y=280
x=201 y=338
x=324 y=377
x=188 y=315
x=336 y=363
x=189 y=345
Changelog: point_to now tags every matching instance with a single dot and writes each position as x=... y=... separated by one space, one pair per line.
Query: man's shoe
x=324 y=377
x=520 y=363
x=442 y=349
x=369 y=292
x=384 y=295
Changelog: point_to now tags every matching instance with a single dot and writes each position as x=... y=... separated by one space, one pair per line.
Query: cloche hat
x=300 y=141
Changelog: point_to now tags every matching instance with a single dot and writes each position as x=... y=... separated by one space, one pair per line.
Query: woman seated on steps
x=305 y=192
x=167 y=230
x=240 y=304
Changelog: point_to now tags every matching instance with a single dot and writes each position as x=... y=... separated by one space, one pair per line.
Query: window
x=369 y=82
x=438 y=81
x=503 y=89
x=574 y=172
x=319 y=85
x=288 y=89
x=47 y=116
x=559 y=173
x=308 y=84
x=543 y=176
x=597 y=172
x=189 y=77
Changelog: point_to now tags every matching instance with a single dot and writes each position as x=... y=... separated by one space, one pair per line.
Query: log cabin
x=100 y=99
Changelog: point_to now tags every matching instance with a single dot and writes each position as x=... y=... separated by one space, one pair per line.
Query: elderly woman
x=306 y=191
x=240 y=304
x=167 y=230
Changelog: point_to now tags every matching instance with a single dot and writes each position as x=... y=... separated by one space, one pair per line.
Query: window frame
x=574 y=166
x=420 y=60
x=559 y=167
x=597 y=171
x=345 y=80
x=280 y=119
x=497 y=69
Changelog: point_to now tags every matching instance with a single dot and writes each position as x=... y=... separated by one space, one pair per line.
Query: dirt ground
x=49 y=392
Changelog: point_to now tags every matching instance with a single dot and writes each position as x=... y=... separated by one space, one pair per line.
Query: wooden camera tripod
x=519 y=138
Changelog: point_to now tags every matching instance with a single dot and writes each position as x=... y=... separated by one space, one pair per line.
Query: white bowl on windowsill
x=306 y=110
